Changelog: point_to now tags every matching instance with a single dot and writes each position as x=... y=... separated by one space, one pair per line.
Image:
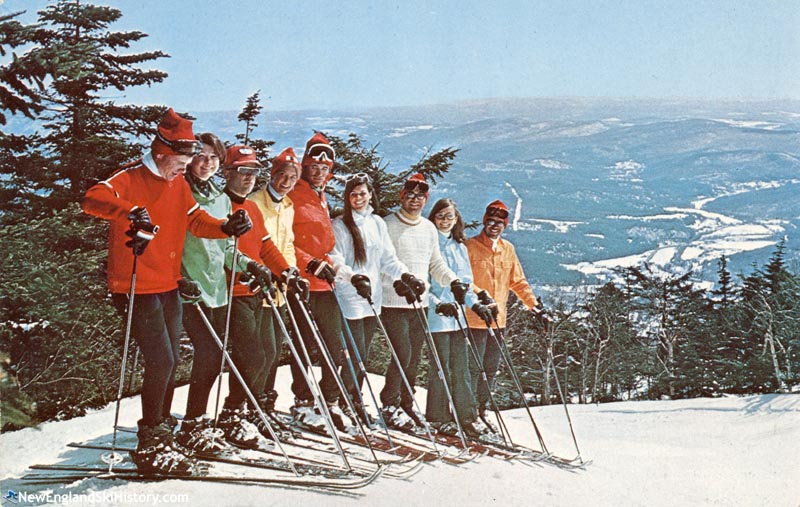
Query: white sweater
x=416 y=243
x=381 y=258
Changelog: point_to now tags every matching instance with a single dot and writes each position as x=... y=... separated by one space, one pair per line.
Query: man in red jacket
x=150 y=208
x=313 y=242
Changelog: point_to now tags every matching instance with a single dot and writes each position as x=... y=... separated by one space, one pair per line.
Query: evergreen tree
x=250 y=112
x=86 y=135
x=355 y=157
x=21 y=79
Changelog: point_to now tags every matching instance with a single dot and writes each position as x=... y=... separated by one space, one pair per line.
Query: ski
x=129 y=474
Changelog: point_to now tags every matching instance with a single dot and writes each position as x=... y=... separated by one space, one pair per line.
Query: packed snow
x=733 y=451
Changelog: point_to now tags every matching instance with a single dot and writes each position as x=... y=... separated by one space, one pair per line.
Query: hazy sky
x=333 y=54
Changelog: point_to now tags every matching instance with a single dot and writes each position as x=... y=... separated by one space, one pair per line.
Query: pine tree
x=355 y=157
x=86 y=135
x=21 y=79
x=248 y=115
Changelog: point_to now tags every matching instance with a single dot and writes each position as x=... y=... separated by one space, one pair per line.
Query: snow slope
x=728 y=451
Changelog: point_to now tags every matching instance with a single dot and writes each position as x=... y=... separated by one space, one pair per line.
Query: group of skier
x=175 y=235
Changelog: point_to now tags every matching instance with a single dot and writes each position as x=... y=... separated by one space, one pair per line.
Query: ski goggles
x=445 y=216
x=188 y=147
x=497 y=212
x=248 y=171
x=491 y=223
x=415 y=185
x=412 y=196
x=321 y=152
x=359 y=178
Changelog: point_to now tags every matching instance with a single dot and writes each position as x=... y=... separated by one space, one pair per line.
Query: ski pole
x=308 y=372
x=114 y=457
x=403 y=376
x=362 y=369
x=133 y=368
x=234 y=259
x=226 y=357
x=469 y=341
x=506 y=355
x=423 y=322
x=328 y=357
x=549 y=345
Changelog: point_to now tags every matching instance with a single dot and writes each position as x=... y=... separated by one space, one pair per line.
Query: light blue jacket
x=456 y=257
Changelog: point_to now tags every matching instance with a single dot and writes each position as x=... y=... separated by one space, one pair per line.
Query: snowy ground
x=727 y=452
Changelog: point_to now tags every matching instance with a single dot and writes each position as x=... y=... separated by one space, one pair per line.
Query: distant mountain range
x=596 y=183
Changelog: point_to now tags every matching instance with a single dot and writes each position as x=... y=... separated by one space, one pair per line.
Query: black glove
x=487 y=300
x=294 y=282
x=237 y=224
x=140 y=221
x=261 y=275
x=138 y=242
x=362 y=286
x=447 y=309
x=483 y=312
x=404 y=290
x=459 y=290
x=416 y=285
x=542 y=316
x=321 y=270
x=189 y=290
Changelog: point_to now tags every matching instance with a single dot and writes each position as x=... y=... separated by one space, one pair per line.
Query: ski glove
x=138 y=242
x=542 y=316
x=362 y=286
x=416 y=285
x=237 y=224
x=261 y=275
x=321 y=270
x=487 y=300
x=294 y=282
x=447 y=309
x=140 y=221
x=459 y=290
x=404 y=290
x=189 y=290
x=483 y=312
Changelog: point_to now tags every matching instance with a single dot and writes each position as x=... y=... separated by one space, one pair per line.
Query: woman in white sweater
x=363 y=250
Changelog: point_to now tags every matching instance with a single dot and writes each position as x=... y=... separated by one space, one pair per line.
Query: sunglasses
x=190 y=147
x=411 y=196
x=445 y=216
x=497 y=212
x=321 y=152
x=248 y=171
x=359 y=178
x=491 y=223
x=413 y=185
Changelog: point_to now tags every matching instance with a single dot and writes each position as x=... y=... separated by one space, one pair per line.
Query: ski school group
x=242 y=270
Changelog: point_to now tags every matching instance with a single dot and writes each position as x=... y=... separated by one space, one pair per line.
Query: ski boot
x=237 y=429
x=306 y=416
x=419 y=420
x=156 y=453
x=343 y=419
x=200 y=435
x=395 y=417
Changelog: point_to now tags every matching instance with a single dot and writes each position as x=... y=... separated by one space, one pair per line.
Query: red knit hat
x=497 y=209
x=414 y=182
x=241 y=155
x=286 y=158
x=319 y=151
x=174 y=136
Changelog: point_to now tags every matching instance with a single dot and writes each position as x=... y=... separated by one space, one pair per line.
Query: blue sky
x=343 y=54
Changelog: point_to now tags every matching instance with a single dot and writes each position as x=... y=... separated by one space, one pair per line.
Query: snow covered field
x=728 y=452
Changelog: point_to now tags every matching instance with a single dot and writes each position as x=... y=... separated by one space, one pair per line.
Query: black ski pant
x=252 y=343
x=453 y=355
x=207 y=354
x=485 y=348
x=325 y=312
x=269 y=385
x=407 y=336
x=362 y=331
x=156 y=329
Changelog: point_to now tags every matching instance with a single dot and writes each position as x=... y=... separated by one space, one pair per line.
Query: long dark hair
x=457 y=233
x=359 y=250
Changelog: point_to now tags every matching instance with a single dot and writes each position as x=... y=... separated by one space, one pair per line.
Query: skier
x=313 y=242
x=444 y=316
x=148 y=201
x=252 y=336
x=278 y=211
x=366 y=251
x=415 y=241
x=496 y=270
x=203 y=263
